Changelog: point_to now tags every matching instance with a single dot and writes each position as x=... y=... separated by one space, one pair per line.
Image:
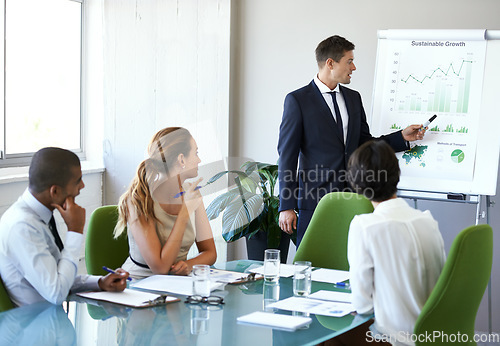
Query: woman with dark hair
x=163 y=214
x=395 y=254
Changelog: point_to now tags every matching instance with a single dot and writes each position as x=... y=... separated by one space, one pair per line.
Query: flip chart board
x=455 y=75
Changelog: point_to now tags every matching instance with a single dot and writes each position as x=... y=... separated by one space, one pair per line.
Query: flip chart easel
x=454 y=74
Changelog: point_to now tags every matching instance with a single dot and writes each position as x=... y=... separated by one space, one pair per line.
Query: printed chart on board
x=428 y=77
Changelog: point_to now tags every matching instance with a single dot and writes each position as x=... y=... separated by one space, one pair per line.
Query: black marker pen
x=427 y=123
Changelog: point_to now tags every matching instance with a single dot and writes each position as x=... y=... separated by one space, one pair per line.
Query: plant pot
x=257 y=244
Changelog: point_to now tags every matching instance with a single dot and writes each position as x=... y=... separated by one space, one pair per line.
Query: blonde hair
x=163 y=151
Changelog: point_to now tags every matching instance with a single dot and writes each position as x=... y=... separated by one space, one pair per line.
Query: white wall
x=272 y=47
x=166 y=63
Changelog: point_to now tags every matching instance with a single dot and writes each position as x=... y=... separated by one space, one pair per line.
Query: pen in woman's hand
x=183 y=192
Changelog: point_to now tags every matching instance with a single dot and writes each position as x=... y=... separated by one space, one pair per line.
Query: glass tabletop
x=89 y=322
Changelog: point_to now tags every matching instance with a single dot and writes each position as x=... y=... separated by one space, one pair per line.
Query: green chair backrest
x=5 y=302
x=325 y=241
x=453 y=304
x=101 y=249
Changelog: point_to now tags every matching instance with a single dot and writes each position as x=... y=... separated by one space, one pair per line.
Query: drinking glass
x=302 y=278
x=272 y=265
x=201 y=280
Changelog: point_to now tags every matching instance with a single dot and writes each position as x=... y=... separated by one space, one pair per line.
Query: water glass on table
x=201 y=280
x=272 y=265
x=302 y=278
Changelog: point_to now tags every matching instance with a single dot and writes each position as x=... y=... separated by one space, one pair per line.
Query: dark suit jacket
x=308 y=133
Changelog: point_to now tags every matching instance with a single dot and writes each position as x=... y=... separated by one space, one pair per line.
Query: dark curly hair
x=373 y=171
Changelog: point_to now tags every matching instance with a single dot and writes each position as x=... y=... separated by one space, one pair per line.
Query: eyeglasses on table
x=211 y=300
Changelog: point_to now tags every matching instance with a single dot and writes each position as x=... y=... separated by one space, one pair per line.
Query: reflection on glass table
x=36 y=324
x=179 y=323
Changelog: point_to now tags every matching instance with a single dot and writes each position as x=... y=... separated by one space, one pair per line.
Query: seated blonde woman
x=163 y=214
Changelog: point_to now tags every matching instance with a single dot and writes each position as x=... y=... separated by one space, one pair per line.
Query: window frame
x=24 y=159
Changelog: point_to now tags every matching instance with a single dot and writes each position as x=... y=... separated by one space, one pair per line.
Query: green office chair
x=325 y=241
x=5 y=302
x=452 y=306
x=101 y=249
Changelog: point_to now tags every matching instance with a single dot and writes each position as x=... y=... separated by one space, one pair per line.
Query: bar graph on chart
x=429 y=78
x=442 y=88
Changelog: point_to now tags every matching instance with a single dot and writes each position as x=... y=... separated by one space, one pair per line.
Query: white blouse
x=396 y=255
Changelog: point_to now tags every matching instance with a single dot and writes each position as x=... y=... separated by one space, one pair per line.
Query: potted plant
x=250 y=209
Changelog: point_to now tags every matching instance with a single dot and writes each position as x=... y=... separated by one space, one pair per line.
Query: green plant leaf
x=274 y=203
x=239 y=215
x=217 y=176
x=244 y=231
x=250 y=183
x=246 y=209
x=220 y=203
x=273 y=235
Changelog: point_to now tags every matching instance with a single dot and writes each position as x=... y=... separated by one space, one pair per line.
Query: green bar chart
x=442 y=90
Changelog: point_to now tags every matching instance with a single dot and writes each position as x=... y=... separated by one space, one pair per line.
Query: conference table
x=88 y=322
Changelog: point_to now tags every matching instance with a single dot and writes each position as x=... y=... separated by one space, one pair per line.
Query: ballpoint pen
x=183 y=192
x=113 y=272
x=342 y=284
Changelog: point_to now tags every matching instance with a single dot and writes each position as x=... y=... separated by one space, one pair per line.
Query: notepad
x=171 y=284
x=329 y=275
x=128 y=297
x=275 y=321
x=232 y=277
x=332 y=296
x=286 y=270
x=313 y=306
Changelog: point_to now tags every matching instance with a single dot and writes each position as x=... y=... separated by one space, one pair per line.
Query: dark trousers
x=302 y=223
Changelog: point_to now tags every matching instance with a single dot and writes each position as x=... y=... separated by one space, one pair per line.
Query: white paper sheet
x=329 y=275
x=313 y=306
x=229 y=277
x=172 y=284
x=332 y=296
x=127 y=297
x=286 y=270
x=275 y=321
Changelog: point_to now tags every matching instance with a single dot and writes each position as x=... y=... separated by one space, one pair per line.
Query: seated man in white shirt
x=34 y=263
x=395 y=254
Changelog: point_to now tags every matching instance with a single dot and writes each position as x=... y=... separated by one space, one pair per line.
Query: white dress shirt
x=340 y=101
x=396 y=255
x=31 y=265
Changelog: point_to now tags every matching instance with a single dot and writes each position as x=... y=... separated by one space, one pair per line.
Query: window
x=41 y=96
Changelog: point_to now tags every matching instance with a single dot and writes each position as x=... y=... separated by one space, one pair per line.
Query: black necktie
x=53 y=229
x=340 y=126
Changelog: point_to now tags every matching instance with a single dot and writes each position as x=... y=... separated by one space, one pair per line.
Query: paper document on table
x=172 y=284
x=329 y=275
x=332 y=296
x=275 y=321
x=286 y=270
x=129 y=297
x=231 y=277
x=313 y=306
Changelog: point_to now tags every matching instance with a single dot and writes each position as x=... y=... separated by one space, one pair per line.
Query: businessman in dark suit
x=323 y=123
